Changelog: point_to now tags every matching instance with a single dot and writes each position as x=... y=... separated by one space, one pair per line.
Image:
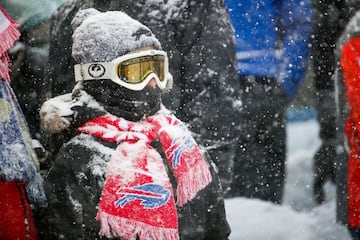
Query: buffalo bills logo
x=151 y=195
x=96 y=70
x=188 y=144
x=183 y=143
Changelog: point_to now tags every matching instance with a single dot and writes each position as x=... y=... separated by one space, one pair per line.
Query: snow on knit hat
x=104 y=36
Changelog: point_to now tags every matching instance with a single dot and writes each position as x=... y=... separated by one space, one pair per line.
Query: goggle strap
x=93 y=71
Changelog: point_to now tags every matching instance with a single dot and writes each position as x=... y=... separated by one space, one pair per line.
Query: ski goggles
x=133 y=71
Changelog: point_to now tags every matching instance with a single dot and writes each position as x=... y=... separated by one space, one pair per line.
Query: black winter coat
x=74 y=185
x=331 y=17
x=27 y=80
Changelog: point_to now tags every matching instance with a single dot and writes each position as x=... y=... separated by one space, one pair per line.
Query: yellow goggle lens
x=137 y=69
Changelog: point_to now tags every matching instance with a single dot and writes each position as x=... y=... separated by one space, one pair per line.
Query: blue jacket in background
x=259 y=52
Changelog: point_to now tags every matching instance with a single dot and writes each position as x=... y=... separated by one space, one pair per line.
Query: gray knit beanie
x=102 y=37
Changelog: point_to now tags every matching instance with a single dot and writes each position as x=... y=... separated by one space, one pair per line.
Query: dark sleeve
x=59 y=218
x=205 y=217
x=59 y=74
x=218 y=226
x=206 y=74
x=73 y=194
x=327 y=28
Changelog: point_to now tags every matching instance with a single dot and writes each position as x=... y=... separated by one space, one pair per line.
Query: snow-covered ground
x=299 y=218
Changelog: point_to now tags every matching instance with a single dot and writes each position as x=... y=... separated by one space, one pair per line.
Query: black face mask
x=122 y=102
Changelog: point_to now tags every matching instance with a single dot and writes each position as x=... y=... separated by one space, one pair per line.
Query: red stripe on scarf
x=184 y=157
x=9 y=33
x=137 y=198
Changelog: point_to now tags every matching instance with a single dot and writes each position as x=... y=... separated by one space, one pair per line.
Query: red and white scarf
x=137 y=197
x=9 y=33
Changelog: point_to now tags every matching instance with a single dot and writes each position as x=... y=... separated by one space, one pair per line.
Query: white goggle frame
x=108 y=70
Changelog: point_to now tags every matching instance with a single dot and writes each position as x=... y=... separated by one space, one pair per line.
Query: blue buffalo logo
x=151 y=195
x=187 y=144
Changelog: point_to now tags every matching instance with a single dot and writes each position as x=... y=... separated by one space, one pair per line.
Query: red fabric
x=350 y=60
x=9 y=33
x=184 y=156
x=137 y=198
x=16 y=221
x=353 y=173
x=350 y=63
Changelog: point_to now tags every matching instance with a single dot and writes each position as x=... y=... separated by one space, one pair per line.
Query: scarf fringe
x=191 y=182
x=8 y=37
x=35 y=192
x=4 y=68
x=127 y=229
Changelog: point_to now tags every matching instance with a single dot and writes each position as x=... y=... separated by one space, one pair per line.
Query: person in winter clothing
x=347 y=163
x=29 y=57
x=329 y=22
x=200 y=42
x=20 y=184
x=272 y=39
x=131 y=169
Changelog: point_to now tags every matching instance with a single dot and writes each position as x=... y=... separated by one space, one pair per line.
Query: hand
x=53 y=122
x=56 y=114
